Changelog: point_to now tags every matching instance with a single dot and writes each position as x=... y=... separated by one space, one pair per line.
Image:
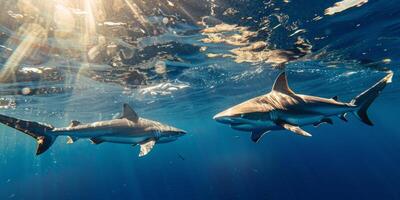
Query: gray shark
x=129 y=128
x=283 y=109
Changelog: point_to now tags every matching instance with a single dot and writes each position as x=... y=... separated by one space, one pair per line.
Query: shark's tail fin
x=365 y=99
x=41 y=132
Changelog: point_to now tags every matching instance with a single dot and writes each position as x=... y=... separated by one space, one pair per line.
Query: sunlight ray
x=33 y=35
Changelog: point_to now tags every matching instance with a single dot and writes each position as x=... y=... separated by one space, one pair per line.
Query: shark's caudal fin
x=41 y=132
x=365 y=99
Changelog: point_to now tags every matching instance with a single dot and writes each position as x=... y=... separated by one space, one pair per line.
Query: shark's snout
x=182 y=132
x=234 y=121
x=224 y=117
x=221 y=118
x=178 y=132
x=171 y=135
x=230 y=120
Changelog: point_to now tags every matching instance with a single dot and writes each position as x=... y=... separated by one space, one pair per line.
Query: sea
x=180 y=62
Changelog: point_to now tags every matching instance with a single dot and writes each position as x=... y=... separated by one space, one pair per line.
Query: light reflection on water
x=180 y=62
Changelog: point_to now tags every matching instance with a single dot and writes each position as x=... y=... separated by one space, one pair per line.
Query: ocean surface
x=180 y=62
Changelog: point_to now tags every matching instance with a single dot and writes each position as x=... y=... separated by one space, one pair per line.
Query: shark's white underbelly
x=302 y=120
x=249 y=125
x=116 y=135
x=124 y=140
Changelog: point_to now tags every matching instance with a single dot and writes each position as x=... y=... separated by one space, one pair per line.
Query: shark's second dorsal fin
x=281 y=84
x=129 y=113
x=74 y=123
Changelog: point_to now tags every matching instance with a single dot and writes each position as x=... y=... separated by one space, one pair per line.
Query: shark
x=129 y=128
x=283 y=109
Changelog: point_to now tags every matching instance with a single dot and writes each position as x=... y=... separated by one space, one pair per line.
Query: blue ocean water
x=167 y=70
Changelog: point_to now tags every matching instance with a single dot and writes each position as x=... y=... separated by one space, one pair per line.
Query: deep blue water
x=184 y=86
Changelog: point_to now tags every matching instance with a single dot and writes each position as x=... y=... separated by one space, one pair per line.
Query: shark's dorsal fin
x=146 y=147
x=281 y=84
x=336 y=98
x=129 y=113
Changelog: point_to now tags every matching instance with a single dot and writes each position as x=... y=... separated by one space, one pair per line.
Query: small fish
x=181 y=157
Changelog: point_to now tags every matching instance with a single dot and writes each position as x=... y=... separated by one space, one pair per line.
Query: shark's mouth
x=237 y=123
x=241 y=126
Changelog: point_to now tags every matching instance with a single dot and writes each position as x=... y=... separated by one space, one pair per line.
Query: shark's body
x=127 y=129
x=283 y=109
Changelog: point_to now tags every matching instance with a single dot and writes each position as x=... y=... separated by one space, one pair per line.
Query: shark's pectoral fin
x=71 y=139
x=343 y=117
x=96 y=140
x=146 y=147
x=295 y=129
x=256 y=135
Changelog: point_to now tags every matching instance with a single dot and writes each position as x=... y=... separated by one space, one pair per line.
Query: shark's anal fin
x=281 y=84
x=96 y=140
x=317 y=124
x=146 y=147
x=295 y=129
x=129 y=113
x=343 y=117
x=324 y=120
x=256 y=135
x=74 y=123
x=71 y=139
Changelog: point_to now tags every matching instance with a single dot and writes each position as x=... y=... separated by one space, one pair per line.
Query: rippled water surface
x=180 y=62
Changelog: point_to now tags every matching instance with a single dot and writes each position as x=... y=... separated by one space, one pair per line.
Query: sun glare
x=69 y=28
